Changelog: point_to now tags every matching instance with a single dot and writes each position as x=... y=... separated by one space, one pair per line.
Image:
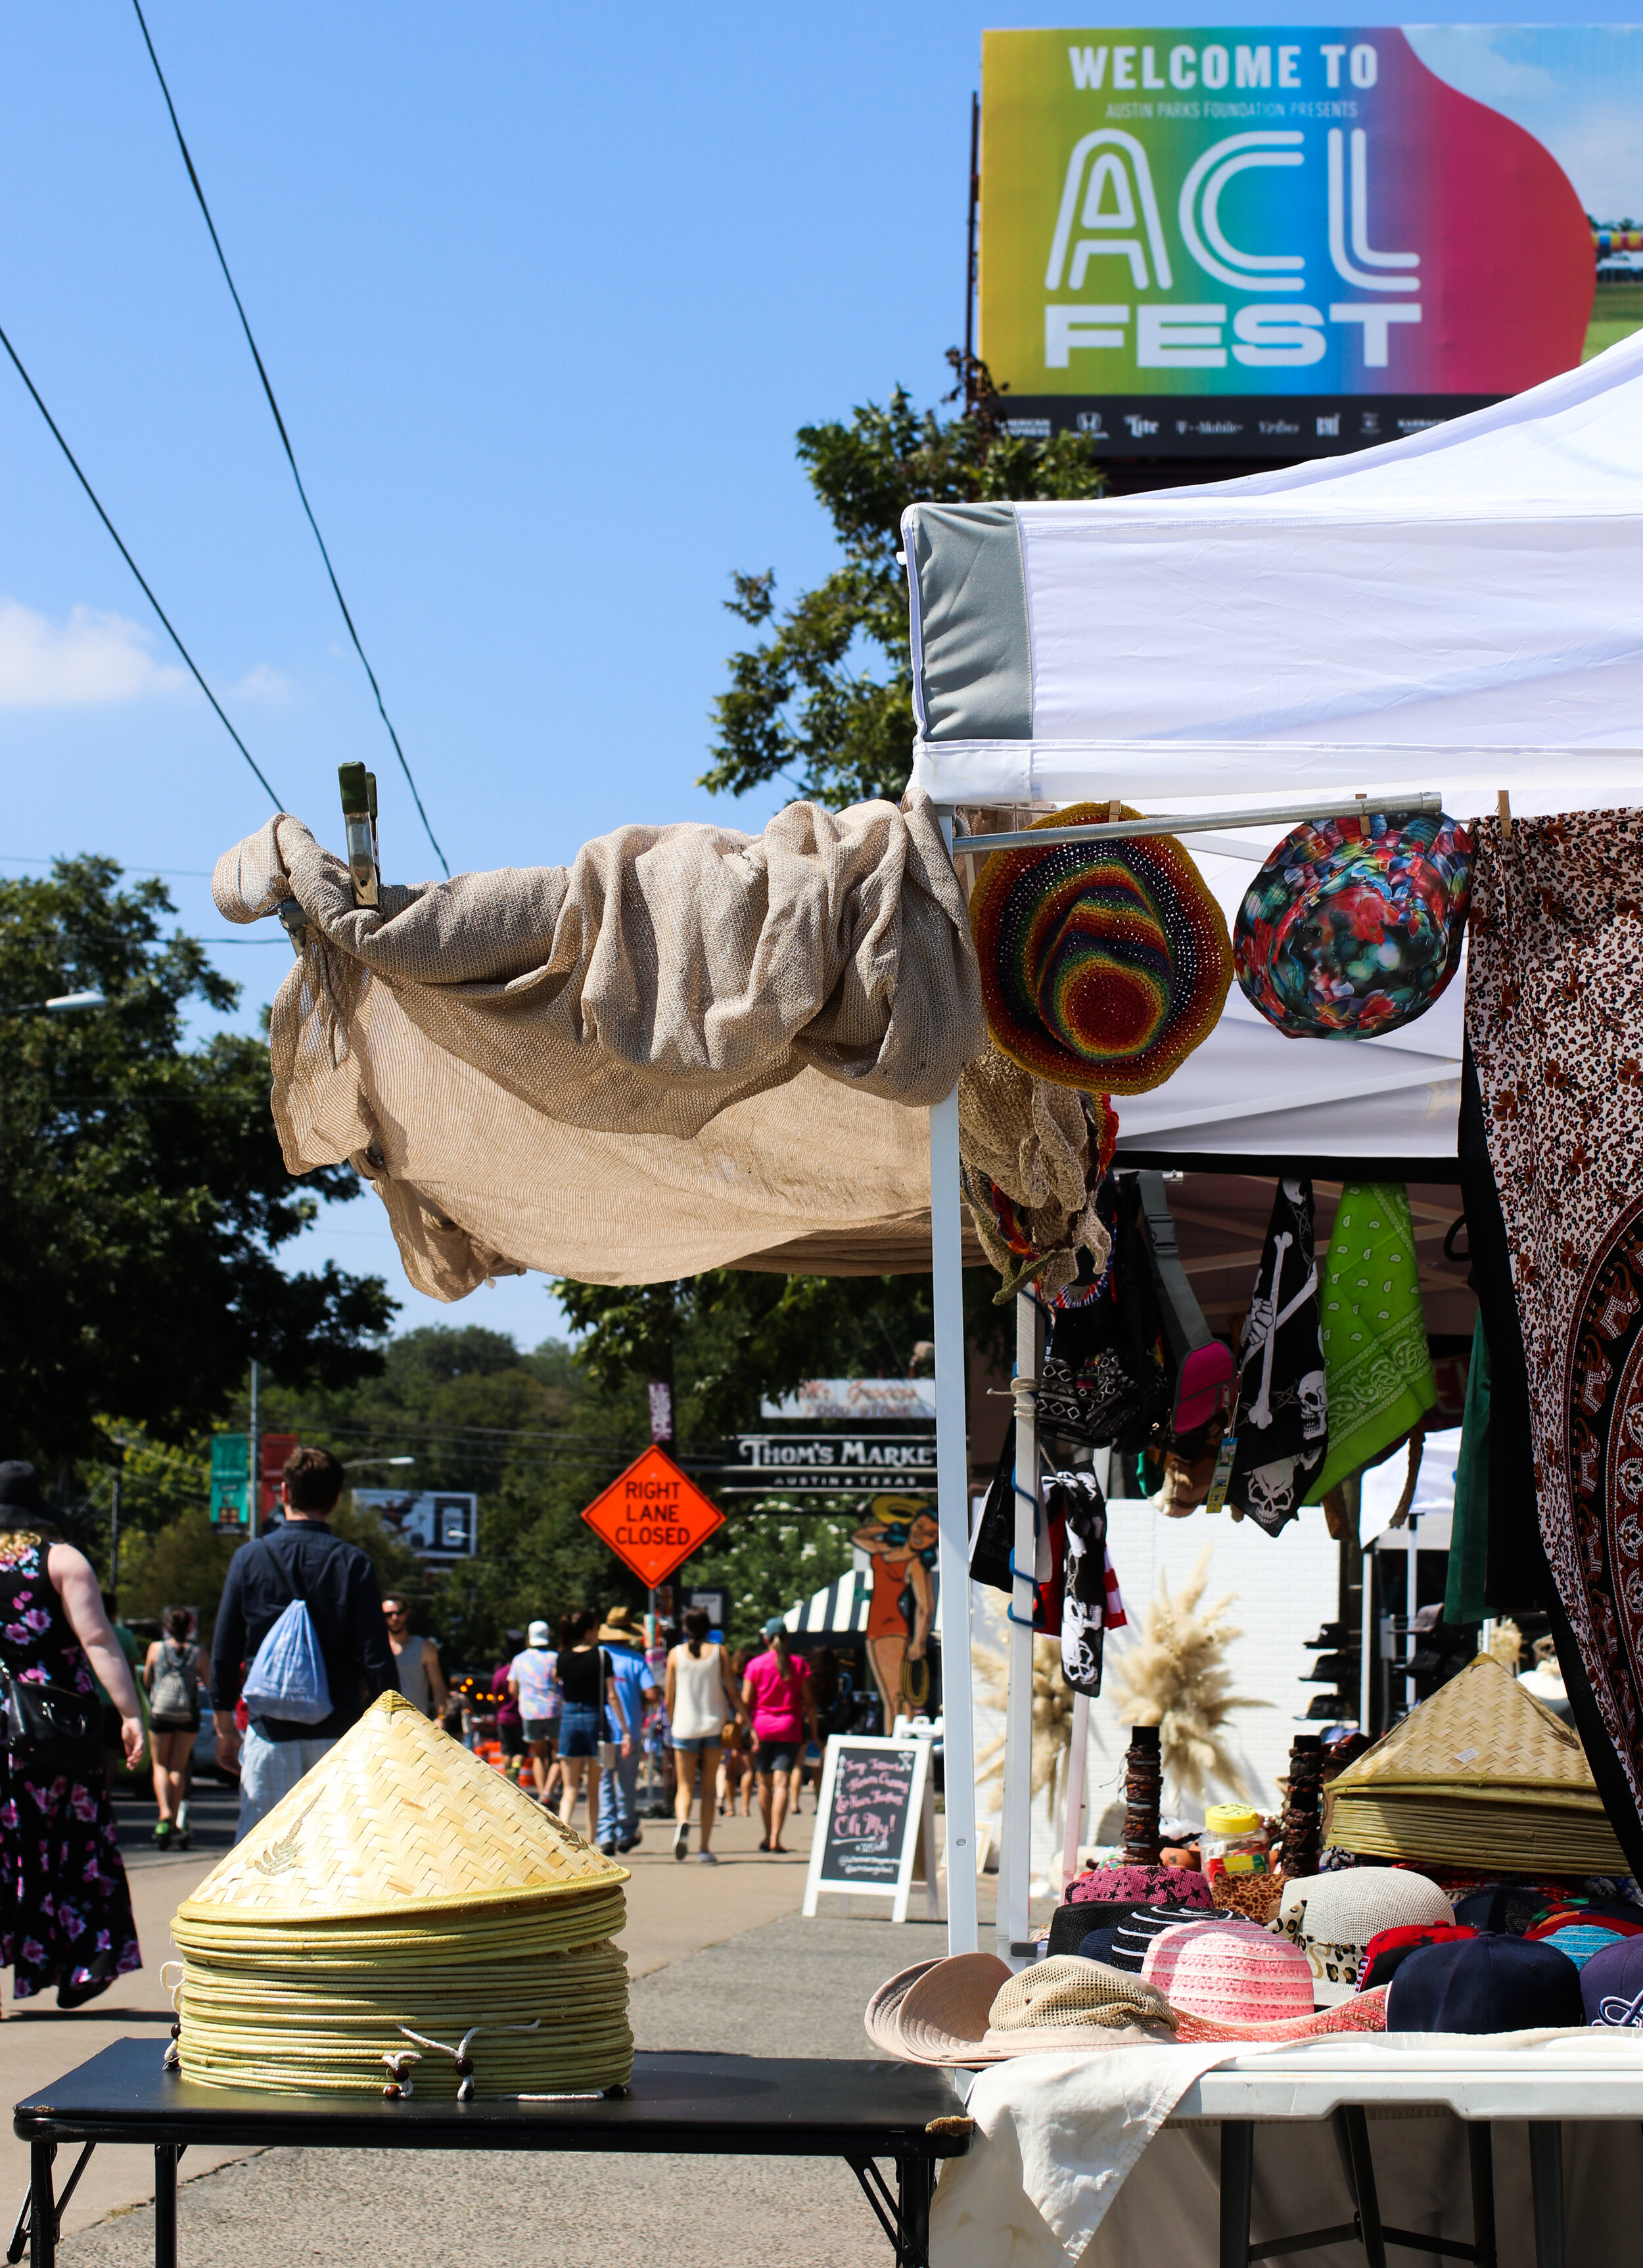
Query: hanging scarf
x=1555 y=1018
x=1376 y=1363
x=1281 y=1420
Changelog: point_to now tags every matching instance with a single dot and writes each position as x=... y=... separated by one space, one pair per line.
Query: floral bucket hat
x=1355 y=926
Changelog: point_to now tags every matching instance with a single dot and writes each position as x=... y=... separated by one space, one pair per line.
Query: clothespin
x=359 y=826
x=1115 y=810
x=1503 y=805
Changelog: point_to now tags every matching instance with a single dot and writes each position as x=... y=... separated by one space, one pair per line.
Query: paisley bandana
x=1555 y=1016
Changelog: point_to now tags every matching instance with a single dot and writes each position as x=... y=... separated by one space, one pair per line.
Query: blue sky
x=545 y=294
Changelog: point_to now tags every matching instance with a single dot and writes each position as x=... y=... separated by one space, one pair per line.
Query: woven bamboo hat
x=398 y=1819
x=1480 y=1773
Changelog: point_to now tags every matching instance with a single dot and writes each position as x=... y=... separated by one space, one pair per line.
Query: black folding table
x=749 y=2106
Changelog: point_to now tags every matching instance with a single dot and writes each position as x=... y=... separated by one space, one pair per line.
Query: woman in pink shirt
x=776 y=1690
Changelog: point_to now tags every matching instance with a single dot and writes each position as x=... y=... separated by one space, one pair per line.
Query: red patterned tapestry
x=1554 y=1010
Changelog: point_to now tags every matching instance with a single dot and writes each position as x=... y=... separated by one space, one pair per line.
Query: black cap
x=20 y=1489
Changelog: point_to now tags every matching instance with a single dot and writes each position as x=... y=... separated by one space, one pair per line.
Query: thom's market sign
x=813 y=1464
x=652 y=1517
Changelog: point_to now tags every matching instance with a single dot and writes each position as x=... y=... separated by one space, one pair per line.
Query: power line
x=290 y=459
x=17 y=364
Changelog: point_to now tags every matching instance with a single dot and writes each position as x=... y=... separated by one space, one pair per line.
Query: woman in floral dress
x=65 y=1911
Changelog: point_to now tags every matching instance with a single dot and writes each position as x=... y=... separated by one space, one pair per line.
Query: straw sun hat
x=405 y=1919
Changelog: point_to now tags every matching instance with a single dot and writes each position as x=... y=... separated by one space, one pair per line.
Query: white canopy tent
x=1459 y=612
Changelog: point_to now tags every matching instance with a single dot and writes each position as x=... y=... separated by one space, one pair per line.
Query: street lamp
x=62 y=1004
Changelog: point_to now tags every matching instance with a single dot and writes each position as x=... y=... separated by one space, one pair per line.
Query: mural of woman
x=900 y=1535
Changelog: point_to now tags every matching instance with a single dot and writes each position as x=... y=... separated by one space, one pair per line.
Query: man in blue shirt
x=636 y=1690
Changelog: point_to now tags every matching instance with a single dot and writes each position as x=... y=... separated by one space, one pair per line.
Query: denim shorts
x=579 y=1731
x=695 y=1747
x=540 y=1729
x=777 y=1755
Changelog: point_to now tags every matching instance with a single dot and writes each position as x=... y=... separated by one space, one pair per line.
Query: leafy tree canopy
x=145 y=1197
x=826 y=701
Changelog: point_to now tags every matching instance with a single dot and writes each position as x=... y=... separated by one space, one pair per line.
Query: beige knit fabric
x=1067 y=1989
x=1032 y=1139
x=687 y=1047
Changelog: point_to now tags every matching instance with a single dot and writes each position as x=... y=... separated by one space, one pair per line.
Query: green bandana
x=1376 y=1363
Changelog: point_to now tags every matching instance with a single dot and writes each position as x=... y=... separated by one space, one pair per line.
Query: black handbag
x=49 y=1730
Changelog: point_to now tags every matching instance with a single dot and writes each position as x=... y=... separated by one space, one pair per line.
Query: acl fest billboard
x=1290 y=242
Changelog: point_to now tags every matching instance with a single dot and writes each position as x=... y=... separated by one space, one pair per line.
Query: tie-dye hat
x=1102 y=964
x=1355 y=926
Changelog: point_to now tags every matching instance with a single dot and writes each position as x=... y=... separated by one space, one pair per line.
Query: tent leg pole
x=1077 y=1761
x=953 y=1477
x=1016 y=1810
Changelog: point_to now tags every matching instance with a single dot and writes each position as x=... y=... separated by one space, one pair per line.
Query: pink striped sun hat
x=1233 y=1980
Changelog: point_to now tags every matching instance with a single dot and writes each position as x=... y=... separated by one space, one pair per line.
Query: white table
x=1586 y=2075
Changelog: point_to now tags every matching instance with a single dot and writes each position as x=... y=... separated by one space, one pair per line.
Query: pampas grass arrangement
x=1175 y=1675
x=1505 y=1644
x=1051 y=1721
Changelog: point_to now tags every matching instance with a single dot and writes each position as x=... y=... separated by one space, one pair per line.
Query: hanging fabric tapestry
x=1556 y=1027
x=1086 y=1602
x=1376 y=1363
x=1281 y=1421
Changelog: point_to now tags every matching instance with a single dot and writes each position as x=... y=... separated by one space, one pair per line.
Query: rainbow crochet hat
x=1354 y=927
x=1102 y=965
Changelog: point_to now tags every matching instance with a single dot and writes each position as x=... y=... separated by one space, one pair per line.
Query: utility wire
x=285 y=438
x=137 y=571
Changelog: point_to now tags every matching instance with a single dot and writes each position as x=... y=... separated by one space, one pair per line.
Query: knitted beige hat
x=1331 y=1918
x=974 y=2009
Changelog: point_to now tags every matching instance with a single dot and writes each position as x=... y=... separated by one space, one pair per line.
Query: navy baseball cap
x=1489 y=1983
x=1611 y=1984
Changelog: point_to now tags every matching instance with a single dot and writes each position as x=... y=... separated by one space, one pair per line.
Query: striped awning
x=839 y=1611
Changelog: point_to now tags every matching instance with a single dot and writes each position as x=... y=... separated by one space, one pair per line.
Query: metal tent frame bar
x=1205 y=822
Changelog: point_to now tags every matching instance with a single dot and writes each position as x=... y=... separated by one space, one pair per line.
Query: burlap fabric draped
x=690 y=1048
x=1555 y=1018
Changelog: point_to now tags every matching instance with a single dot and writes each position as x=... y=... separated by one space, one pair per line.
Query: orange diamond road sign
x=652 y=1517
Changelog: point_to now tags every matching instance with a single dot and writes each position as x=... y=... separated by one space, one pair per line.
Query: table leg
x=1357 y=2130
x=915 y=2184
x=1546 y=2168
x=1480 y=2150
x=1237 y=2184
x=42 y=2215
x=166 y=2156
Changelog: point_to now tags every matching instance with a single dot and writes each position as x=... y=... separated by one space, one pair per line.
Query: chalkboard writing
x=870 y=1813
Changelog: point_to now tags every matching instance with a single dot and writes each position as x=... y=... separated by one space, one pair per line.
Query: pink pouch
x=1203 y=1385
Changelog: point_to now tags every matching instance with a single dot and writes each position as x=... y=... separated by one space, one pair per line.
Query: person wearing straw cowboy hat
x=298 y=1561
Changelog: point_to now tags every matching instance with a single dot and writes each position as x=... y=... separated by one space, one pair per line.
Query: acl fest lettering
x=1279 y=213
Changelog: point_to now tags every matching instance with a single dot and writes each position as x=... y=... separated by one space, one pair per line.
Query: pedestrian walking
x=618 y=1789
x=588 y=1682
x=415 y=1661
x=776 y=1692
x=510 y=1725
x=299 y=1560
x=534 y=1687
x=171 y=1674
x=65 y=1909
x=699 y=1693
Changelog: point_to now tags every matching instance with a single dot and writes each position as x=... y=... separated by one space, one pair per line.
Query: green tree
x=826 y=701
x=145 y=1197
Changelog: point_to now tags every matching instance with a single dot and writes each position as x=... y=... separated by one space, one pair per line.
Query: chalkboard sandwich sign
x=875 y=1810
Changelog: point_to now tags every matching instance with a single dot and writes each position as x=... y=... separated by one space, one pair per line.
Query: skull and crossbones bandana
x=1281 y=1418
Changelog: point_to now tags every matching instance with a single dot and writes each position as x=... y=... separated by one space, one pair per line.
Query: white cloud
x=89 y=659
x=263 y=684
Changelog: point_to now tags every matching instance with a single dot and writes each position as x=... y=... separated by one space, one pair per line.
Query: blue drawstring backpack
x=288 y=1678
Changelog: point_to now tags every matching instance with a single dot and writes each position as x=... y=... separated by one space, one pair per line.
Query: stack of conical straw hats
x=405 y=1902
x=1480 y=1775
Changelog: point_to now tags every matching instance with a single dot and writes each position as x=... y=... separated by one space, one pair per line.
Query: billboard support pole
x=970 y=253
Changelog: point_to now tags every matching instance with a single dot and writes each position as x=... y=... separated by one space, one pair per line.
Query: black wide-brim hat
x=1102 y=964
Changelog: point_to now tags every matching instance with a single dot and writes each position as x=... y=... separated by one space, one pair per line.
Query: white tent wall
x=1457 y=611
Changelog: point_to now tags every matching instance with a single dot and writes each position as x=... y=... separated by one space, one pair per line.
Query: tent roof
x=1457 y=611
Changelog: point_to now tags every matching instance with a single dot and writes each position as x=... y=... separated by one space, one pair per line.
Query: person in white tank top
x=701 y=1695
